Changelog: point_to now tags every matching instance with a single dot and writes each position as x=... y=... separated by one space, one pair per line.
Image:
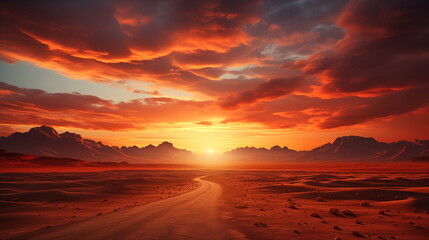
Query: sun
x=210 y=151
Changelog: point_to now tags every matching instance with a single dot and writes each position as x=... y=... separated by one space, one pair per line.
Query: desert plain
x=228 y=204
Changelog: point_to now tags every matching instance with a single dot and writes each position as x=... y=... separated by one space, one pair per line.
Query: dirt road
x=192 y=215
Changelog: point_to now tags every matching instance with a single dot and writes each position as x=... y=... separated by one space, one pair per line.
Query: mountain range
x=46 y=141
x=346 y=148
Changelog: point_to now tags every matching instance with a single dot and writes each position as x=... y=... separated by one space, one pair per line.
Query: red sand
x=255 y=204
x=30 y=201
x=296 y=205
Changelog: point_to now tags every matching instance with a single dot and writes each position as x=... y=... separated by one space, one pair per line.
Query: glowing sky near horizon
x=215 y=75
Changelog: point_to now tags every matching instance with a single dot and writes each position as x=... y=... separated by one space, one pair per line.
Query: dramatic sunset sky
x=216 y=74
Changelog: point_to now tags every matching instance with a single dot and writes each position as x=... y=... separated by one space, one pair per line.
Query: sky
x=216 y=75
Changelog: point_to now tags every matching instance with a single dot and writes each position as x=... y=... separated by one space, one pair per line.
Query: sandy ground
x=192 y=215
x=33 y=201
x=227 y=204
x=326 y=205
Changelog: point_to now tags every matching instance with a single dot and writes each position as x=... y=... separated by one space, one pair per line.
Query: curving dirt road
x=192 y=215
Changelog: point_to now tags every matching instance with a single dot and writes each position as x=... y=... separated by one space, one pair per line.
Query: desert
x=214 y=120
x=326 y=205
x=32 y=201
x=252 y=204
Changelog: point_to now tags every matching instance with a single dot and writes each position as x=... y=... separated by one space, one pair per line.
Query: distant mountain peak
x=45 y=141
x=276 y=148
x=354 y=139
x=166 y=145
x=353 y=143
x=345 y=148
x=71 y=135
x=44 y=130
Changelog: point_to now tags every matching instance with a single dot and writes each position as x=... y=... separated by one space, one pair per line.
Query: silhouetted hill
x=252 y=154
x=8 y=159
x=348 y=148
x=354 y=148
x=45 y=141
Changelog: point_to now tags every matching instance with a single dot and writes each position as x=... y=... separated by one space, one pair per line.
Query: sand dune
x=189 y=216
x=31 y=201
x=47 y=195
x=365 y=194
x=285 y=189
x=255 y=205
x=329 y=205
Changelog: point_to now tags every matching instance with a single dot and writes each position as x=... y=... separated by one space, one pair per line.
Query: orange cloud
x=243 y=61
x=271 y=89
x=377 y=107
x=205 y=123
x=379 y=52
x=112 y=41
x=35 y=107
